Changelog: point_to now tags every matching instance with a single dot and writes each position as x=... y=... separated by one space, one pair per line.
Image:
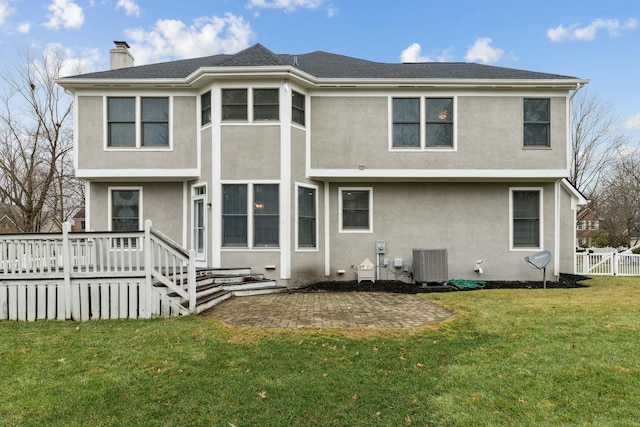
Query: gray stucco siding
x=470 y=220
x=162 y=203
x=250 y=152
x=350 y=131
x=94 y=153
x=347 y=131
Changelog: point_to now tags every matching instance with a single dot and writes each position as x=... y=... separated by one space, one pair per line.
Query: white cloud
x=172 y=39
x=24 y=28
x=414 y=54
x=72 y=62
x=288 y=5
x=589 y=32
x=5 y=11
x=64 y=13
x=632 y=122
x=130 y=7
x=483 y=52
x=332 y=10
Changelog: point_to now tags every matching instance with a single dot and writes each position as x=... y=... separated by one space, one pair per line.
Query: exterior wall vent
x=430 y=265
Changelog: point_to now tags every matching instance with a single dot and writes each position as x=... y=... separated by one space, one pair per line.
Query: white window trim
x=250 y=222
x=112 y=247
x=305 y=248
x=423 y=117
x=138 y=102
x=540 y=216
x=349 y=230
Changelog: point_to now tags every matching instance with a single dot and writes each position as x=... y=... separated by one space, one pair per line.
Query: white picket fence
x=607 y=264
x=94 y=275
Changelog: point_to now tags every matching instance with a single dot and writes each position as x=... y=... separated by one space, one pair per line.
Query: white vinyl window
x=355 y=209
x=125 y=214
x=307 y=217
x=422 y=123
x=255 y=225
x=526 y=218
x=257 y=105
x=537 y=122
x=138 y=122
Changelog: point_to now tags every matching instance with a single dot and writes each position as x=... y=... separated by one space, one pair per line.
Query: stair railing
x=170 y=264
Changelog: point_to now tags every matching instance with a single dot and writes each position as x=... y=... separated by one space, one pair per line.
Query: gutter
x=579 y=86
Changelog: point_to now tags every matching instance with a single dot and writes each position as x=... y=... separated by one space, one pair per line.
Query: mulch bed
x=566 y=281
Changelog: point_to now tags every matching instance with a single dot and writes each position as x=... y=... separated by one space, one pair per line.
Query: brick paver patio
x=329 y=310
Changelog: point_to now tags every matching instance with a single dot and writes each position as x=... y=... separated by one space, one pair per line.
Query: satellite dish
x=540 y=260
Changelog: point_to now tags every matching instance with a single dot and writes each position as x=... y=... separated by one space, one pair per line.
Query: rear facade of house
x=302 y=166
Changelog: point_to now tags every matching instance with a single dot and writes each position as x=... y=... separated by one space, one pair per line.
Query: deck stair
x=214 y=285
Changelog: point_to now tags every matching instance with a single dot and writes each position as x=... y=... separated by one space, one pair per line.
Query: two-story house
x=299 y=166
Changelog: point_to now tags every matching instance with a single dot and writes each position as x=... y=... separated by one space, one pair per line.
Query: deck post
x=66 y=268
x=191 y=281
x=148 y=267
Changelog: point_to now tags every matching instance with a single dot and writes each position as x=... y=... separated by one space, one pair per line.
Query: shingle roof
x=324 y=65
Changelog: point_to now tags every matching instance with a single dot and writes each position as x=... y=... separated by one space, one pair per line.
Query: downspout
x=557 y=229
x=570 y=126
x=557 y=187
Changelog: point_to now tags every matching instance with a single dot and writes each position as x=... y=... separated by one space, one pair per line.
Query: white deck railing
x=66 y=260
x=607 y=264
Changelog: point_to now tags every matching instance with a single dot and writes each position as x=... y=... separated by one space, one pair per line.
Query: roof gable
x=254 y=56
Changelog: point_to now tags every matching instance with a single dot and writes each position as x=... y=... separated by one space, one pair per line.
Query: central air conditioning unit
x=430 y=265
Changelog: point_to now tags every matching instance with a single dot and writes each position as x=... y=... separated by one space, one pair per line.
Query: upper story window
x=422 y=122
x=406 y=122
x=155 y=121
x=121 y=118
x=536 y=122
x=439 y=127
x=122 y=122
x=234 y=104
x=582 y=225
x=205 y=106
x=297 y=107
x=266 y=104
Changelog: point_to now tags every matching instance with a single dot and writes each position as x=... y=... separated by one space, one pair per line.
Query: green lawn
x=510 y=357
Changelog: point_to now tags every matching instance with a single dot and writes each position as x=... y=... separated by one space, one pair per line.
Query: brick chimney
x=120 y=56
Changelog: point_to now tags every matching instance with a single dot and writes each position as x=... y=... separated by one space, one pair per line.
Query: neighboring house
x=79 y=223
x=12 y=222
x=7 y=224
x=587 y=227
x=297 y=165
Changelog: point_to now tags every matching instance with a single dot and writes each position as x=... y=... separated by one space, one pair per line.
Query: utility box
x=366 y=271
x=430 y=265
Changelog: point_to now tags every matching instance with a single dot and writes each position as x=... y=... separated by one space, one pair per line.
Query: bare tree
x=618 y=201
x=35 y=143
x=595 y=141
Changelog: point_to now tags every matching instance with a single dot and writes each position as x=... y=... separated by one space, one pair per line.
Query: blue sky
x=597 y=40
